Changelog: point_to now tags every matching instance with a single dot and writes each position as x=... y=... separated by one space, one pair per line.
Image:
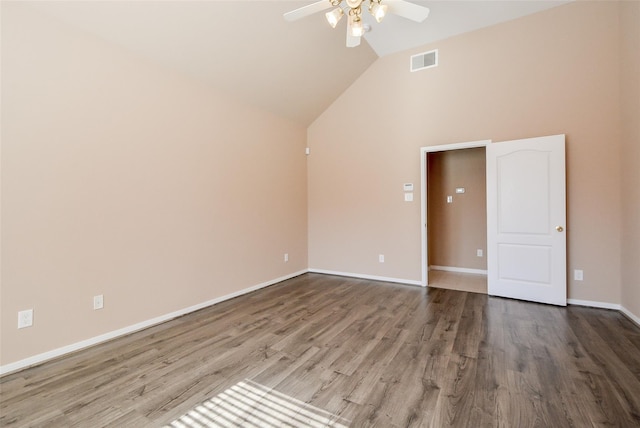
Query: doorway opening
x=454 y=222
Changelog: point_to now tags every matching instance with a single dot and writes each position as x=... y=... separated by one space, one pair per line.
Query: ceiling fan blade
x=407 y=10
x=352 y=41
x=307 y=10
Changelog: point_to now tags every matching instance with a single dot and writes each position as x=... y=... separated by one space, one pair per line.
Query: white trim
x=40 y=358
x=592 y=304
x=423 y=193
x=458 y=269
x=456 y=146
x=633 y=317
x=364 y=276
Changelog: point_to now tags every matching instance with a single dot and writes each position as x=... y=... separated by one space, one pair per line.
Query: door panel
x=524 y=263
x=523 y=206
x=526 y=214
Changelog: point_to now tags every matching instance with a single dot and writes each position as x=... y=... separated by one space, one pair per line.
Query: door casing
x=424 y=193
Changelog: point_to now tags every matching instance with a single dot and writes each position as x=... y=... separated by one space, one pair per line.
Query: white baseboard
x=40 y=358
x=458 y=269
x=592 y=304
x=603 y=305
x=633 y=317
x=364 y=276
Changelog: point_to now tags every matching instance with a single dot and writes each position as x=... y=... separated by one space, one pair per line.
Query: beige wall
x=123 y=179
x=555 y=72
x=630 y=90
x=457 y=229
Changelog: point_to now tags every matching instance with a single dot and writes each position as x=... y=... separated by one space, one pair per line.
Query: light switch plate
x=98 y=302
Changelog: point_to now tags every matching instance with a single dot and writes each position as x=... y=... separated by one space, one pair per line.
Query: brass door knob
x=559 y=228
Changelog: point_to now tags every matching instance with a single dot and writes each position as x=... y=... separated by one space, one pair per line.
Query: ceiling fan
x=353 y=10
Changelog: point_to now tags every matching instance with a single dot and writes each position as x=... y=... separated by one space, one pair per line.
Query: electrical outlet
x=578 y=275
x=479 y=252
x=25 y=318
x=98 y=301
x=286 y=257
x=381 y=258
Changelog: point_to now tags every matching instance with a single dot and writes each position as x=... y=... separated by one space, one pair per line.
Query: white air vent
x=424 y=60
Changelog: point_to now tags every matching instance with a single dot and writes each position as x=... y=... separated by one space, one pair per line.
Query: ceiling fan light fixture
x=334 y=16
x=356 y=28
x=379 y=11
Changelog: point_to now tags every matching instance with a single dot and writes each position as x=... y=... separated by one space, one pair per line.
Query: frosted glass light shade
x=356 y=29
x=334 y=17
x=379 y=11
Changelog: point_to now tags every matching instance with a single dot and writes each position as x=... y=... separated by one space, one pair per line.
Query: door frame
x=424 y=151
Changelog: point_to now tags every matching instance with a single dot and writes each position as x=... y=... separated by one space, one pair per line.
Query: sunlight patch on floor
x=249 y=404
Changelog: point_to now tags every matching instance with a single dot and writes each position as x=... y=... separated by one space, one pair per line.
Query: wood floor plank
x=619 y=377
x=356 y=352
x=490 y=381
x=372 y=373
x=625 y=350
x=470 y=328
x=455 y=402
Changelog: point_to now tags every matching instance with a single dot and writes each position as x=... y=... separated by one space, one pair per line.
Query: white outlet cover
x=381 y=258
x=25 y=318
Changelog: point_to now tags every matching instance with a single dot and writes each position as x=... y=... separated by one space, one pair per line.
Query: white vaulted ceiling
x=246 y=48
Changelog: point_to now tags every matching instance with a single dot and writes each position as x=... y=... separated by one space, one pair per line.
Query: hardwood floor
x=330 y=351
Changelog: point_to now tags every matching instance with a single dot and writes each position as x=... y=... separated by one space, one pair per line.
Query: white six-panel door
x=526 y=220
